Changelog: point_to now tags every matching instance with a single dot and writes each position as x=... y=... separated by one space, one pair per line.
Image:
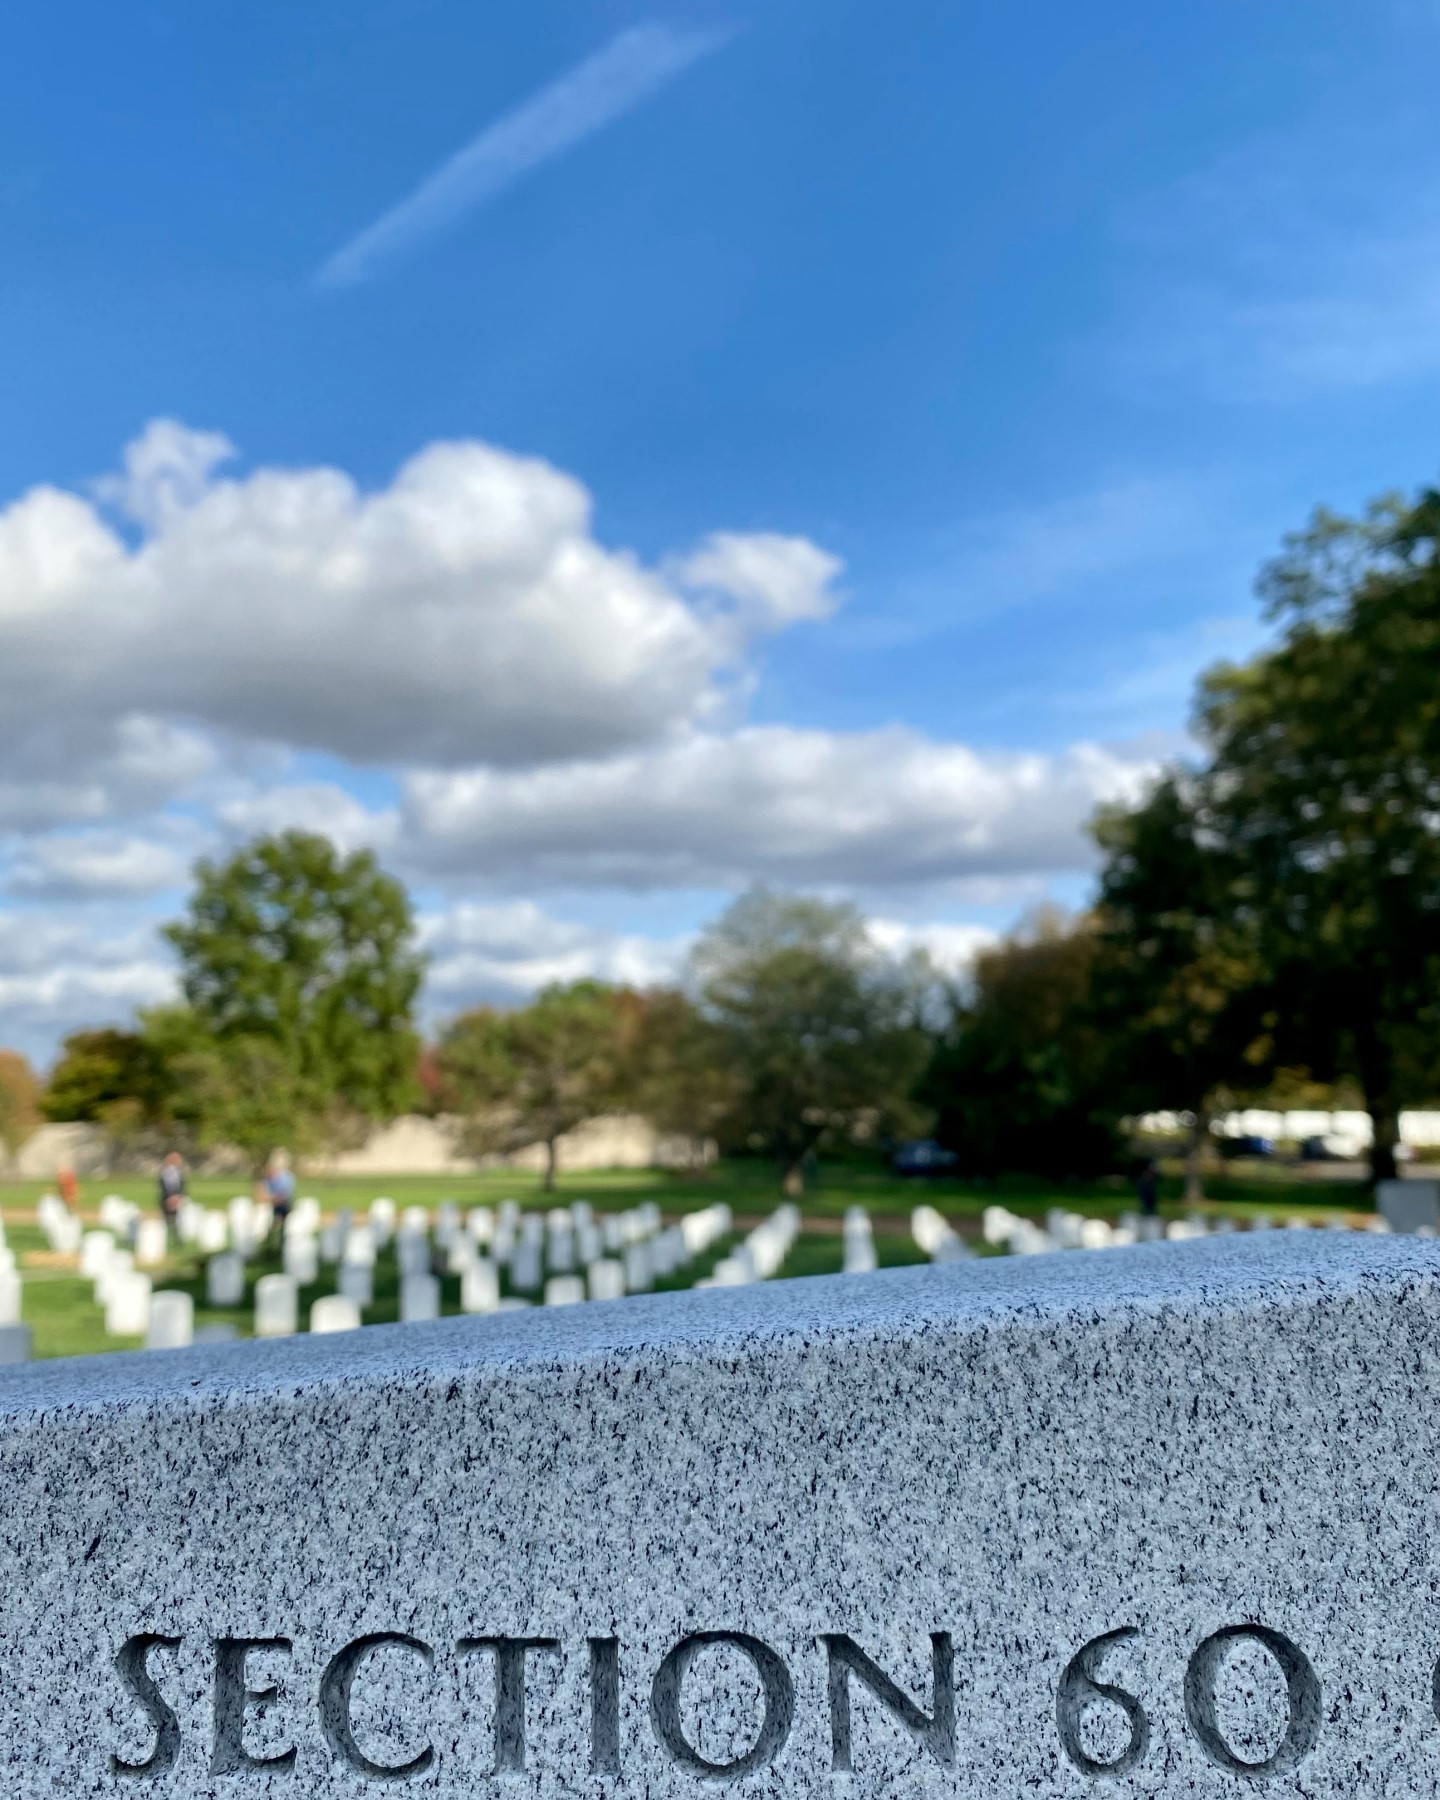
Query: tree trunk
x=1385 y=1129
x=552 y=1160
x=1195 y=1157
x=1377 y=1078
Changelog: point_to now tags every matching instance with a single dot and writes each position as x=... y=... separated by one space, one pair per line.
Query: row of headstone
x=1065 y=1230
x=762 y=1252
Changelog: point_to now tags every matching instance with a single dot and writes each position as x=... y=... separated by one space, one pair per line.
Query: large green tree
x=532 y=1075
x=103 y=1073
x=680 y=1075
x=1019 y=1080
x=822 y=1033
x=300 y=972
x=1322 y=796
x=1176 y=987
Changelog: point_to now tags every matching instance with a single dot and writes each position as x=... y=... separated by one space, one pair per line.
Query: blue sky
x=835 y=438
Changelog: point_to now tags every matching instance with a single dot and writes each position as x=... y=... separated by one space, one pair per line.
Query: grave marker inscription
x=1161 y=1522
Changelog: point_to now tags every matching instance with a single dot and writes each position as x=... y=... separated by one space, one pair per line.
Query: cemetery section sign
x=1156 y=1522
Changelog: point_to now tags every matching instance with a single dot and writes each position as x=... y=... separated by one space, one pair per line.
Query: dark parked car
x=1247 y=1146
x=923 y=1156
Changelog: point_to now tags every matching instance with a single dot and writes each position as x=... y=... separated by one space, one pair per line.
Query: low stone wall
x=411 y=1145
x=414 y=1145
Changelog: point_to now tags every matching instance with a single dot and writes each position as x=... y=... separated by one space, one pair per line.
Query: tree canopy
x=1176 y=988
x=300 y=971
x=1322 y=800
x=1018 y=1081
x=821 y=1031
x=529 y=1076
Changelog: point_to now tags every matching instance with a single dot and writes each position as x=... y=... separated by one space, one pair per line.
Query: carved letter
x=233 y=1699
x=774 y=1681
x=130 y=1664
x=605 y=1706
x=335 y=1687
x=509 y=1693
x=935 y=1733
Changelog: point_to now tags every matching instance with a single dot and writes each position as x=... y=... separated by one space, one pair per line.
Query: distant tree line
x=1267 y=922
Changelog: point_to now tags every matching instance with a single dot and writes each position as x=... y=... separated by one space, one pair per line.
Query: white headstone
x=357 y=1282
x=277 y=1306
x=560 y=1247
x=606 y=1279
x=66 y=1236
x=127 y=1310
x=639 y=1275
x=225 y=1280
x=335 y=1312
x=419 y=1299
x=118 y=1263
x=96 y=1249
x=564 y=1290
x=151 y=1243
x=359 y=1245
x=172 y=1321
x=526 y=1267
x=212 y=1233
x=300 y=1259
x=11 y=1297
x=15 y=1343
x=412 y=1252
x=241 y=1213
x=480 y=1287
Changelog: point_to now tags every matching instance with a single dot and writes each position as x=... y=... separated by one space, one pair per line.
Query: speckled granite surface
x=1156 y=1521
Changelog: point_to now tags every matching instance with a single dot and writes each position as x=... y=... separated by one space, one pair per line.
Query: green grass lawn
x=66 y=1322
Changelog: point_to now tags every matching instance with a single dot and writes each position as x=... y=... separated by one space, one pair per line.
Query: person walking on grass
x=278 y=1185
x=173 y=1182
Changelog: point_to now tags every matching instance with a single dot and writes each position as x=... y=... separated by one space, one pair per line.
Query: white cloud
x=464 y=613
x=775 y=580
x=318 y=806
x=500 y=954
x=81 y=767
x=882 y=809
x=584 y=100
x=98 y=864
x=57 y=977
x=951 y=947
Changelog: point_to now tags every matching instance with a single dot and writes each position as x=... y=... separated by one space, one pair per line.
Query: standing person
x=68 y=1187
x=279 y=1185
x=1147 y=1185
x=173 y=1182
